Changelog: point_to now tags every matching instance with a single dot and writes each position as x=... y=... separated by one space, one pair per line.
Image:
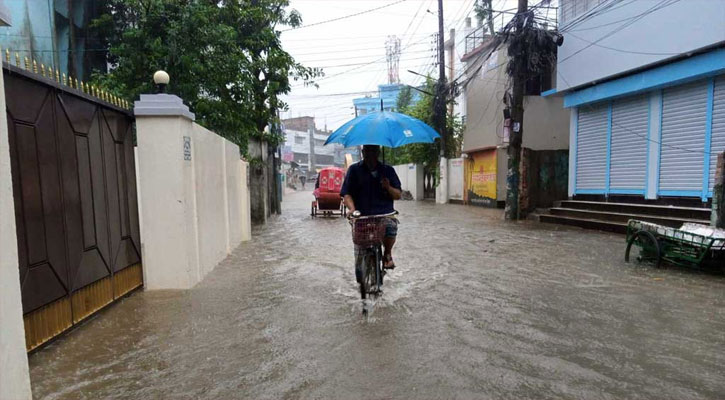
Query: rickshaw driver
x=370 y=187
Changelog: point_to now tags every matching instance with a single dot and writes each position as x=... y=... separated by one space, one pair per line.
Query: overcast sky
x=343 y=47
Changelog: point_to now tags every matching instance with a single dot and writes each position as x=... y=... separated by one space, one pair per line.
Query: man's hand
x=386 y=183
x=393 y=192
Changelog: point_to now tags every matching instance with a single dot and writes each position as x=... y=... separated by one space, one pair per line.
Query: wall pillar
x=717 y=216
x=442 y=188
x=167 y=203
x=654 y=129
x=14 y=374
x=573 y=122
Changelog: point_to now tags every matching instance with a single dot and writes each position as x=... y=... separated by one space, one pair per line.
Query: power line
x=657 y=7
x=344 y=17
x=345 y=49
x=622 y=50
x=356 y=57
x=336 y=38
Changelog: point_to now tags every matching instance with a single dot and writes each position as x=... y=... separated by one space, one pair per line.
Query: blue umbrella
x=383 y=128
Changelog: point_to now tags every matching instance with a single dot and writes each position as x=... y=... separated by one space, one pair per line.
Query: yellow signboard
x=481 y=177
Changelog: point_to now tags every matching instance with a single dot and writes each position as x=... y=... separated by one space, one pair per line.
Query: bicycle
x=367 y=235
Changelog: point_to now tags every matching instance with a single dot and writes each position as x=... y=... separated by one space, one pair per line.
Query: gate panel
x=591 y=152
x=74 y=185
x=85 y=262
x=630 y=118
x=684 y=113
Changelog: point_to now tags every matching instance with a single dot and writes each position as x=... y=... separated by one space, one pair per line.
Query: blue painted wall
x=42 y=30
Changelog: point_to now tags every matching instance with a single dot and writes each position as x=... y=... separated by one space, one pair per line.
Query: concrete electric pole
x=440 y=113
x=513 y=177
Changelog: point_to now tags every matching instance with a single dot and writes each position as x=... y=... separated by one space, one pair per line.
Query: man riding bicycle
x=370 y=187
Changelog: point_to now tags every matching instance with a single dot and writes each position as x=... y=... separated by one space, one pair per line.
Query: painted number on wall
x=187 y=148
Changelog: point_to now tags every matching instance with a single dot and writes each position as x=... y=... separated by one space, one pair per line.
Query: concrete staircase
x=613 y=216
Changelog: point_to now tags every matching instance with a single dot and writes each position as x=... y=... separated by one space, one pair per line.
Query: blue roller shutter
x=628 y=165
x=591 y=147
x=684 y=113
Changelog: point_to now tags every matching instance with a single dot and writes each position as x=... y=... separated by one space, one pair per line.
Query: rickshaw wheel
x=313 y=211
x=649 y=248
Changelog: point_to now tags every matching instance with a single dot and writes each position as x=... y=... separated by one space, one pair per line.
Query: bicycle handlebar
x=373 y=216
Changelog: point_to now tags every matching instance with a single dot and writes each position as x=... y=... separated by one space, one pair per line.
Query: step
x=597 y=224
x=623 y=217
x=694 y=213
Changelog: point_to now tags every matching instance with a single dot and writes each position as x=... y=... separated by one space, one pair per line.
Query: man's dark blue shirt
x=366 y=188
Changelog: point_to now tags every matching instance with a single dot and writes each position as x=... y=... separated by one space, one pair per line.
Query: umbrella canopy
x=383 y=128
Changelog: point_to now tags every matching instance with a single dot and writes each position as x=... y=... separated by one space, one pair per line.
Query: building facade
x=56 y=34
x=646 y=99
x=305 y=146
x=486 y=135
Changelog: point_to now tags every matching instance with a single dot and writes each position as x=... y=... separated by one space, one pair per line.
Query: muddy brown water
x=477 y=308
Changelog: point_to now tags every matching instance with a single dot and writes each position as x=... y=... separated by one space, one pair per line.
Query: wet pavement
x=477 y=308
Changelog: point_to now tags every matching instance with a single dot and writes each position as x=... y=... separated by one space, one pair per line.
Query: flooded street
x=477 y=308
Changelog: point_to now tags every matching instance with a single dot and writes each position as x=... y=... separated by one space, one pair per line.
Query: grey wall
x=484 y=105
x=674 y=29
x=546 y=123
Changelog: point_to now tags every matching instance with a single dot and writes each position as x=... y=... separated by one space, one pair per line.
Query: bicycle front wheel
x=368 y=279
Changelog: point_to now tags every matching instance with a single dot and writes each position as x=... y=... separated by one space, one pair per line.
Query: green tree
x=422 y=109
x=224 y=57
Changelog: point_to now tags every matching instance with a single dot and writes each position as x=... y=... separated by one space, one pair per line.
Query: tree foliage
x=224 y=57
x=425 y=153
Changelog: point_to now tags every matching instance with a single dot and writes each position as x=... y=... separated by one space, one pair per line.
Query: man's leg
x=388 y=243
x=391 y=232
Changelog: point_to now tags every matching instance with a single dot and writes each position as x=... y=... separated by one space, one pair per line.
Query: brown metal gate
x=76 y=210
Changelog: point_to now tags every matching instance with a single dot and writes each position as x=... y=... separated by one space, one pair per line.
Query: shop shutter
x=628 y=165
x=718 y=126
x=683 y=138
x=591 y=148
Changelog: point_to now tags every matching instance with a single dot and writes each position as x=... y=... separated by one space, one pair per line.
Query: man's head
x=371 y=152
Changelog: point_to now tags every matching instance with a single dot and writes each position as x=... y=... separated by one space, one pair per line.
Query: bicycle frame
x=366 y=253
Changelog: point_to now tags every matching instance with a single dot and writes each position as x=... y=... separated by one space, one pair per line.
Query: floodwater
x=477 y=308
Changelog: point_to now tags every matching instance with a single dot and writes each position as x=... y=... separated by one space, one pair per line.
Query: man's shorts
x=391 y=227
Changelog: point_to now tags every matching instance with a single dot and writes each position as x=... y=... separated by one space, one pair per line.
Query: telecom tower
x=392 y=52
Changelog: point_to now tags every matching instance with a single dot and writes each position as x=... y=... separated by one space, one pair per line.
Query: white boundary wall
x=411 y=179
x=455 y=179
x=193 y=195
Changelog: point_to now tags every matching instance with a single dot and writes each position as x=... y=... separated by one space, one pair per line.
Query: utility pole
x=440 y=113
x=440 y=107
x=513 y=176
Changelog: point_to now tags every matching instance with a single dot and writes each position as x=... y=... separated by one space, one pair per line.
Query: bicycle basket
x=368 y=231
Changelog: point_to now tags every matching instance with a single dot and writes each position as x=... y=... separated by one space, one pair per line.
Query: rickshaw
x=327 y=193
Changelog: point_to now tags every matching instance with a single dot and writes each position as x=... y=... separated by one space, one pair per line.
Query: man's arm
x=347 y=185
x=349 y=202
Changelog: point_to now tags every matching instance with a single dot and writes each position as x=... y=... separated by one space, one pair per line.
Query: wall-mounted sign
x=187 y=148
